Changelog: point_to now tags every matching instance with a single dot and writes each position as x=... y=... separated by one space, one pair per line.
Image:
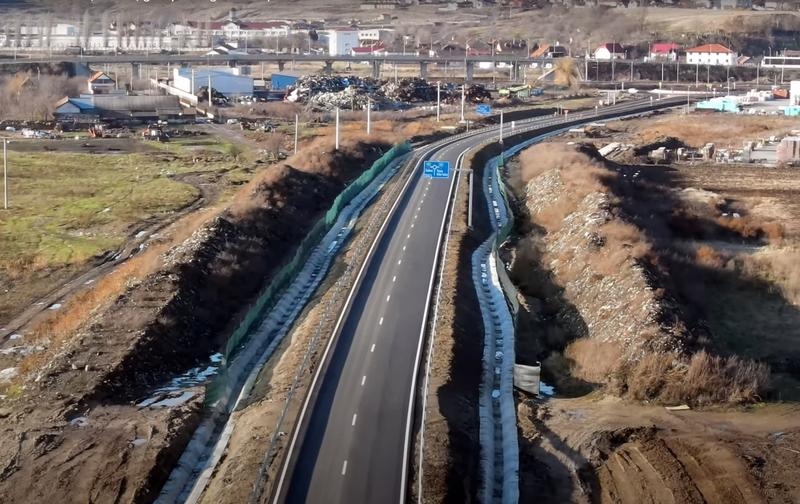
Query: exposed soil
x=606 y=450
x=159 y=327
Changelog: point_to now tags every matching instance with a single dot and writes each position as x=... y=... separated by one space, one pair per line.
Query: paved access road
x=353 y=448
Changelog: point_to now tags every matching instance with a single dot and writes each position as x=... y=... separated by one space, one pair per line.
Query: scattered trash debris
x=682 y=407
x=356 y=93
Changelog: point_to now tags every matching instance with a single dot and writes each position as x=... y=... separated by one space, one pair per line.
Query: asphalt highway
x=353 y=445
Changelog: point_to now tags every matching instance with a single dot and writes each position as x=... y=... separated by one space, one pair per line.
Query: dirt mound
x=608 y=451
x=591 y=267
x=81 y=398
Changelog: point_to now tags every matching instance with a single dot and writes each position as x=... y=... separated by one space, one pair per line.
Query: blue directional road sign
x=483 y=110
x=436 y=169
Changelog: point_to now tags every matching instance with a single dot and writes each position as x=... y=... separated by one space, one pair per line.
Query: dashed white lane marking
x=394 y=278
x=372 y=349
x=399 y=261
x=415 y=216
x=380 y=322
x=388 y=298
x=412 y=225
x=344 y=468
x=404 y=248
x=363 y=380
x=354 y=418
x=408 y=236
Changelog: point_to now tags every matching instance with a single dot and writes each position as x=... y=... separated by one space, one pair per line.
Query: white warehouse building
x=341 y=42
x=226 y=81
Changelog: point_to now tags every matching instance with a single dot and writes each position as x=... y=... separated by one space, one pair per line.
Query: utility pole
x=369 y=116
x=438 y=101
x=5 y=174
x=501 y=127
x=337 y=128
x=296 y=130
x=463 y=99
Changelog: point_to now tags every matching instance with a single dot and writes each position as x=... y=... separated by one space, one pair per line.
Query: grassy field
x=66 y=208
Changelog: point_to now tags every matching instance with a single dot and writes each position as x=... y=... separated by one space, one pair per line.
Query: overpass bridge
x=516 y=62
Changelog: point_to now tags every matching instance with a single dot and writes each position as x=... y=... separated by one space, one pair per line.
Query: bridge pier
x=281 y=65
x=376 y=69
x=328 y=70
x=423 y=69
x=469 y=73
x=515 y=71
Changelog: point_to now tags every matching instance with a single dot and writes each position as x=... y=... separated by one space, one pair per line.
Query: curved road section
x=353 y=439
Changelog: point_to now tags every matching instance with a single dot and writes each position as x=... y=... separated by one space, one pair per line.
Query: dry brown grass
x=624 y=242
x=724 y=133
x=593 y=360
x=579 y=174
x=779 y=267
x=702 y=379
x=708 y=256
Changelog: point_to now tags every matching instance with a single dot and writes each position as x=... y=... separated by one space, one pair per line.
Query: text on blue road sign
x=436 y=169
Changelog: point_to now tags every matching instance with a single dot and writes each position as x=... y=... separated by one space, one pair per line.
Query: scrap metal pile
x=354 y=93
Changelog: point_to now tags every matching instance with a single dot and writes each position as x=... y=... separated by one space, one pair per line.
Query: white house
x=101 y=83
x=710 y=54
x=340 y=42
x=609 y=51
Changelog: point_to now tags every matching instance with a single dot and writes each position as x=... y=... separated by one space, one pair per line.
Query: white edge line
x=337 y=328
x=410 y=415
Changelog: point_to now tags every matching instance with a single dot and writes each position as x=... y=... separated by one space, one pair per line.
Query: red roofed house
x=664 y=51
x=710 y=54
x=373 y=50
x=609 y=51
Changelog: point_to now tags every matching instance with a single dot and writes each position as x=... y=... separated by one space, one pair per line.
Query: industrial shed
x=224 y=81
x=120 y=107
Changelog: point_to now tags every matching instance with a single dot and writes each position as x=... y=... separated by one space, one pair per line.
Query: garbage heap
x=216 y=97
x=321 y=93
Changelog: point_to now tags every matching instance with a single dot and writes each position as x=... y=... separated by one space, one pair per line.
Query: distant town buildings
x=548 y=51
x=711 y=54
x=664 y=51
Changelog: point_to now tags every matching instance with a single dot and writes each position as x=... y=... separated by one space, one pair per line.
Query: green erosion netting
x=289 y=271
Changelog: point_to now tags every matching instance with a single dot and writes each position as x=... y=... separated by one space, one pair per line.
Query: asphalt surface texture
x=354 y=444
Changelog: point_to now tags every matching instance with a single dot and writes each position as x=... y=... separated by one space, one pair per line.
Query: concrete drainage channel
x=195 y=467
x=498 y=420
